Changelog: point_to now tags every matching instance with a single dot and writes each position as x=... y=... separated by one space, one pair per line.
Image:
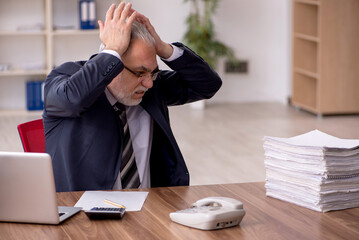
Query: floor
x=222 y=143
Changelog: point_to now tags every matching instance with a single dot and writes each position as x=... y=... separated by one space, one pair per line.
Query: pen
x=113 y=203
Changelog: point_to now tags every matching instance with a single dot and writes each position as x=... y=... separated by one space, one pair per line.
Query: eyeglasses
x=142 y=76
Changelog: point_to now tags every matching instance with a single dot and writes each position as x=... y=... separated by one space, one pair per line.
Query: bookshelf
x=36 y=36
x=325 y=50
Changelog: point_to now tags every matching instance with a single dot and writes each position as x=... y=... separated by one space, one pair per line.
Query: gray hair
x=138 y=31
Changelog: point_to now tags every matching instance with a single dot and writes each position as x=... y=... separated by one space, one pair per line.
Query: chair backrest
x=32 y=136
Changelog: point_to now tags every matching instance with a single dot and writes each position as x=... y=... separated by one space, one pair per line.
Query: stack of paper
x=313 y=170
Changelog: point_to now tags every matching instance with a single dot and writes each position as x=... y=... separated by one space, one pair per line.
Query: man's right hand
x=115 y=33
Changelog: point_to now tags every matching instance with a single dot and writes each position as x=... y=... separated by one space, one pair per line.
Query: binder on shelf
x=83 y=6
x=87 y=13
x=34 y=95
x=92 y=14
x=30 y=96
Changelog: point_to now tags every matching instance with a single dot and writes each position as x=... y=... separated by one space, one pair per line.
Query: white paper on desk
x=317 y=140
x=133 y=201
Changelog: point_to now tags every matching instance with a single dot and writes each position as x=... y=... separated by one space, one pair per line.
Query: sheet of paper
x=317 y=139
x=133 y=201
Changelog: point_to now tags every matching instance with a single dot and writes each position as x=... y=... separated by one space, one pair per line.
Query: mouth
x=139 y=93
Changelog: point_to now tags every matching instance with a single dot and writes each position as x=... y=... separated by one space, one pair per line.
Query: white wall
x=259 y=31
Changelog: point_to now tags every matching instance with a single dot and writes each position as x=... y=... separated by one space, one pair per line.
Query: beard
x=127 y=100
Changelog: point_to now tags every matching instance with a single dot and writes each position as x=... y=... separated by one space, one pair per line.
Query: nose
x=147 y=82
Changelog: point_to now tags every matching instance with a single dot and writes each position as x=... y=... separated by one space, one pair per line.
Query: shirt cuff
x=177 y=52
x=112 y=52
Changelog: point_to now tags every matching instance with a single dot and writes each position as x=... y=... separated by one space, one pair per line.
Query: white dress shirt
x=141 y=127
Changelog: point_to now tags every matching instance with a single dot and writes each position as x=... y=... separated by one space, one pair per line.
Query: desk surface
x=266 y=218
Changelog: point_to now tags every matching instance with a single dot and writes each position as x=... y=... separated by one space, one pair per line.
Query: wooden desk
x=266 y=218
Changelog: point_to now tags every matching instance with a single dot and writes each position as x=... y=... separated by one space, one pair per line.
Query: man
x=84 y=135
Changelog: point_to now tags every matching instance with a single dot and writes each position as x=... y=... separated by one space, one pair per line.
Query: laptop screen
x=27 y=188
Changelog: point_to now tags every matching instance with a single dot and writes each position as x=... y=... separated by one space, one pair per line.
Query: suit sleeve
x=192 y=79
x=73 y=87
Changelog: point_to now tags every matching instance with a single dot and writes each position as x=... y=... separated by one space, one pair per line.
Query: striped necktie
x=128 y=170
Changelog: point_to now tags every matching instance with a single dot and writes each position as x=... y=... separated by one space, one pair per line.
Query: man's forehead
x=138 y=46
x=141 y=56
x=145 y=69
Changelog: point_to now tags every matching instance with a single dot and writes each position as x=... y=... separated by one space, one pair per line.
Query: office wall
x=258 y=30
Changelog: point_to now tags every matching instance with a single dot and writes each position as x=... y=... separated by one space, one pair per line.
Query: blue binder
x=87 y=13
x=30 y=102
x=34 y=93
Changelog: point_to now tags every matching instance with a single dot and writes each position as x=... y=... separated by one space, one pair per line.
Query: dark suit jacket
x=82 y=132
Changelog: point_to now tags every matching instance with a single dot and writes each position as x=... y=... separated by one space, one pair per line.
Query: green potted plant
x=200 y=34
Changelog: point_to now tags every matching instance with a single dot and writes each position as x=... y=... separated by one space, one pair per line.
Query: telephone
x=211 y=213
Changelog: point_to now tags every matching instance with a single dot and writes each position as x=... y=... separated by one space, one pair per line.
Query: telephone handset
x=211 y=213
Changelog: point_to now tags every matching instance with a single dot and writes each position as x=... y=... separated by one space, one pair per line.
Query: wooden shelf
x=310 y=2
x=46 y=13
x=306 y=91
x=306 y=73
x=23 y=73
x=5 y=33
x=73 y=32
x=49 y=36
x=305 y=18
x=306 y=56
x=306 y=37
x=325 y=77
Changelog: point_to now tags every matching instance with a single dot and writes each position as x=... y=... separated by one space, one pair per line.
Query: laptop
x=27 y=190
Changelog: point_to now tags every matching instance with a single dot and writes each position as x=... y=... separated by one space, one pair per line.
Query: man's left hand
x=163 y=49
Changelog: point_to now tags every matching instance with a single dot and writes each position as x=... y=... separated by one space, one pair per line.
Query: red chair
x=32 y=136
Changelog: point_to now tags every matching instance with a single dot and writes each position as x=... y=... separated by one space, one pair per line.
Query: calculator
x=105 y=213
